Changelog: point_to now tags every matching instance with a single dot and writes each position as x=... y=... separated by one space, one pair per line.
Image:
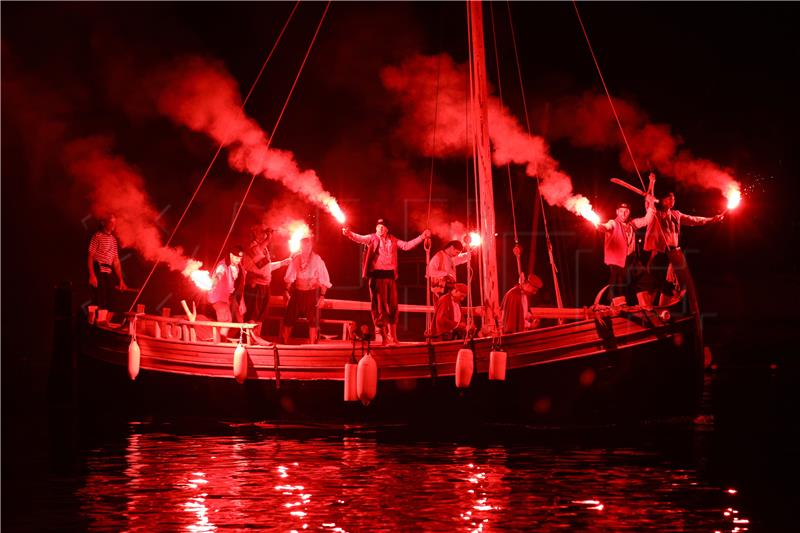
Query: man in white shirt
x=380 y=269
x=308 y=281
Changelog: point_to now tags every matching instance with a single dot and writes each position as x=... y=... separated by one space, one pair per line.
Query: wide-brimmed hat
x=535 y=280
x=458 y=245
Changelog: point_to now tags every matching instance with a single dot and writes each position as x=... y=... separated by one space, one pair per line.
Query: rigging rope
x=508 y=165
x=216 y=154
x=608 y=95
x=500 y=95
x=427 y=245
x=274 y=128
x=549 y=244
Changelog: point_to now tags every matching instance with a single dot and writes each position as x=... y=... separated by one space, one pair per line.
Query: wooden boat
x=597 y=364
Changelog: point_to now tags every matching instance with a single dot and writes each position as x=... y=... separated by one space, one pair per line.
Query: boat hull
x=587 y=372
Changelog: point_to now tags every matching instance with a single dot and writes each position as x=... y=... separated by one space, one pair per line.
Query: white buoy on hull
x=350 y=382
x=367 y=379
x=464 y=368
x=240 y=363
x=134 y=358
x=497 y=365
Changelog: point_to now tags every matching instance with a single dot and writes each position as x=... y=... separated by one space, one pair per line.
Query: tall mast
x=483 y=167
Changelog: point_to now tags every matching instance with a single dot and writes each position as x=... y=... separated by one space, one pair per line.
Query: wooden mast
x=483 y=168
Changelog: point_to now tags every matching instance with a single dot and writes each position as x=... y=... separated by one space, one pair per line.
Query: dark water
x=731 y=469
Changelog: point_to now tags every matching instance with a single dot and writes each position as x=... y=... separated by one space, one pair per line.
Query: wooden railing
x=185 y=329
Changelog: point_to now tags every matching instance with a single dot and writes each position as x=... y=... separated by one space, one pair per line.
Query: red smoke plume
x=587 y=121
x=116 y=188
x=414 y=83
x=200 y=94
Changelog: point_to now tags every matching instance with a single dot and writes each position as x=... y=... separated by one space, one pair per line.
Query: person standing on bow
x=259 y=265
x=226 y=280
x=516 y=306
x=662 y=240
x=308 y=281
x=380 y=269
x=620 y=247
x=103 y=259
x=448 y=320
x=442 y=268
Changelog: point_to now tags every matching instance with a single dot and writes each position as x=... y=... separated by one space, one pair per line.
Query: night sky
x=721 y=75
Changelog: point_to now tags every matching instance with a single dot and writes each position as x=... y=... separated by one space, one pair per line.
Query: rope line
x=216 y=155
x=274 y=128
x=548 y=242
x=608 y=95
x=500 y=94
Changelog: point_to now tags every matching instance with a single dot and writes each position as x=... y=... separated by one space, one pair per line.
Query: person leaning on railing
x=103 y=259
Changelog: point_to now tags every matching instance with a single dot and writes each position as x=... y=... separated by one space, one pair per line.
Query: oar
x=629 y=187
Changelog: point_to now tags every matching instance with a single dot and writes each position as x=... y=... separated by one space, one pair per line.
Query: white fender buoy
x=240 y=363
x=367 y=379
x=464 y=368
x=350 y=382
x=497 y=365
x=134 y=358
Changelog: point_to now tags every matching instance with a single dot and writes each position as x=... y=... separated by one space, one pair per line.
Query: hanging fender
x=240 y=363
x=134 y=358
x=464 y=368
x=367 y=379
x=350 y=382
x=497 y=365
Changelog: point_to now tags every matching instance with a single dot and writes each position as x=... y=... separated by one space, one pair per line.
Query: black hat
x=623 y=204
x=383 y=222
x=455 y=244
x=236 y=249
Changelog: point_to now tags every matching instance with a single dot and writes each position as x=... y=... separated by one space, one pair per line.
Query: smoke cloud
x=116 y=188
x=587 y=121
x=414 y=83
x=200 y=94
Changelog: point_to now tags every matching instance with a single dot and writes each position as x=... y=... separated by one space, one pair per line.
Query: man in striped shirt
x=103 y=259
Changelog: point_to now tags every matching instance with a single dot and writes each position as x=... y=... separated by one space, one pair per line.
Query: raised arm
x=361 y=239
x=408 y=245
x=275 y=265
x=463 y=257
x=650 y=207
x=691 y=220
x=606 y=227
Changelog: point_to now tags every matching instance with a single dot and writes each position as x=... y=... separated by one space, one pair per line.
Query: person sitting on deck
x=442 y=268
x=620 y=247
x=448 y=320
x=221 y=296
x=103 y=258
x=662 y=241
x=259 y=265
x=516 y=305
x=308 y=278
x=380 y=268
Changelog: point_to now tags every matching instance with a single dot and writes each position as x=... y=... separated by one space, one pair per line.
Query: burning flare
x=297 y=231
x=201 y=278
x=734 y=196
x=583 y=207
x=473 y=239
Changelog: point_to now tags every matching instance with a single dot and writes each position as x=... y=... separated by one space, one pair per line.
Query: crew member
x=380 y=269
x=308 y=279
x=227 y=279
x=620 y=247
x=662 y=240
x=259 y=265
x=103 y=259
x=448 y=320
x=516 y=306
x=442 y=267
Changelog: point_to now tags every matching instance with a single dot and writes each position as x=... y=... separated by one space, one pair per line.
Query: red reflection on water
x=202 y=483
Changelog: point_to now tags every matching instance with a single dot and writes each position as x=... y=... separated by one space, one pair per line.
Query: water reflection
x=252 y=479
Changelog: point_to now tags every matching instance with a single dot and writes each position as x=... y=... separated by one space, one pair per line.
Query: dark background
x=722 y=75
